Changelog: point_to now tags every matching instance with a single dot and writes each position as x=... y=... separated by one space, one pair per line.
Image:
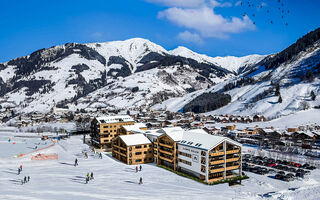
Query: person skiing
x=20 y=167
x=86 y=154
x=140 y=181
x=91 y=176
x=136 y=168
x=140 y=167
x=87 y=180
x=100 y=155
x=75 y=162
x=88 y=175
x=25 y=179
x=19 y=170
x=28 y=178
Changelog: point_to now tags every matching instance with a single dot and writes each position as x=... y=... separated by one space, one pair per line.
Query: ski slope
x=59 y=179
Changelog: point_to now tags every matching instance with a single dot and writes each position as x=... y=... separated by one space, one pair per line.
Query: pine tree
x=313 y=96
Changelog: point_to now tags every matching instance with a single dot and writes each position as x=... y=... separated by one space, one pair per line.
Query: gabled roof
x=175 y=133
x=134 y=139
x=135 y=128
x=203 y=141
x=114 y=119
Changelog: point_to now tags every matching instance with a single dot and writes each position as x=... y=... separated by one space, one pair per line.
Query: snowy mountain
x=231 y=63
x=139 y=73
x=280 y=84
x=120 y=74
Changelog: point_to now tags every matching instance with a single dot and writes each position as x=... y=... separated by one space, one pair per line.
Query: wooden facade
x=223 y=160
x=165 y=151
x=103 y=133
x=132 y=155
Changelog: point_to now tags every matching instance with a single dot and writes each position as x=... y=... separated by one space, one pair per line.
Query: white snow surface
x=59 y=179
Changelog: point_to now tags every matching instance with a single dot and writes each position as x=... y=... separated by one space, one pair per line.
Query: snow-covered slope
x=297 y=75
x=231 y=63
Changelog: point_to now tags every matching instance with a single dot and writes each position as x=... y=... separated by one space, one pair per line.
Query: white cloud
x=190 y=37
x=238 y=3
x=179 y=3
x=206 y=22
x=215 y=3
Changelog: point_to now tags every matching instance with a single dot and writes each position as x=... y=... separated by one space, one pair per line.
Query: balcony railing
x=215 y=179
x=124 y=149
x=215 y=162
x=233 y=151
x=219 y=153
x=118 y=152
x=166 y=152
x=166 y=145
x=217 y=170
x=233 y=159
x=233 y=167
x=166 y=159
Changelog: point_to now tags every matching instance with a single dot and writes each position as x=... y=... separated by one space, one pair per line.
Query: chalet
x=259 y=118
x=292 y=130
x=104 y=129
x=132 y=149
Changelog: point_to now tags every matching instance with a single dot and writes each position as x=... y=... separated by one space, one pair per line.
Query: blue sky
x=212 y=27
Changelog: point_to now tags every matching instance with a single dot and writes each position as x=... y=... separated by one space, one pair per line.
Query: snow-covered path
x=59 y=179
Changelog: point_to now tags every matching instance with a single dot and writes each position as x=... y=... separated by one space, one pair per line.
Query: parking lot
x=278 y=169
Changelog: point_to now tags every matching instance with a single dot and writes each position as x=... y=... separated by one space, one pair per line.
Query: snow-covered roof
x=203 y=141
x=135 y=128
x=134 y=139
x=175 y=133
x=114 y=119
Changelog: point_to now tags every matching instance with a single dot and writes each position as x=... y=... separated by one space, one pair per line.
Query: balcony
x=166 y=145
x=216 y=170
x=216 y=162
x=118 y=152
x=233 y=151
x=219 y=153
x=122 y=148
x=166 y=159
x=233 y=167
x=166 y=152
x=233 y=159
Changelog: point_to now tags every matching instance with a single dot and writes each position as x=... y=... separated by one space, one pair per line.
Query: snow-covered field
x=59 y=179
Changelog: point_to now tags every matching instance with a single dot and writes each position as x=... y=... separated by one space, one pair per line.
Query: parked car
x=292 y=170
x=272 y=165
x=279 y=176
x=299 y=174
x=282 y=173
x=296 y=164
x=305 y=165
x=288 y=178
x=307 y=172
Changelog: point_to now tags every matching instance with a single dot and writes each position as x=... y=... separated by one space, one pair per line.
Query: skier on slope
x=140 y=167
x=136 y=168
x=25 y=180
x=75 y=162
x=28 y=178
x=91 y=176
x=19 y=170
x=20 y=167
x=140 y=181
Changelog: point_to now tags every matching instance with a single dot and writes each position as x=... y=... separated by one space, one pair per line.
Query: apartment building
x=132 y=149
x=104 y=129
x=210 y=158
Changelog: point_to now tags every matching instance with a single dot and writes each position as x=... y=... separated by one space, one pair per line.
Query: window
x=138 y=147
x=114 y=126
x=145 y=152
x=138 y=160
x=155 y=152
x=150 y=145
x=138 y=153
x=145 y=145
